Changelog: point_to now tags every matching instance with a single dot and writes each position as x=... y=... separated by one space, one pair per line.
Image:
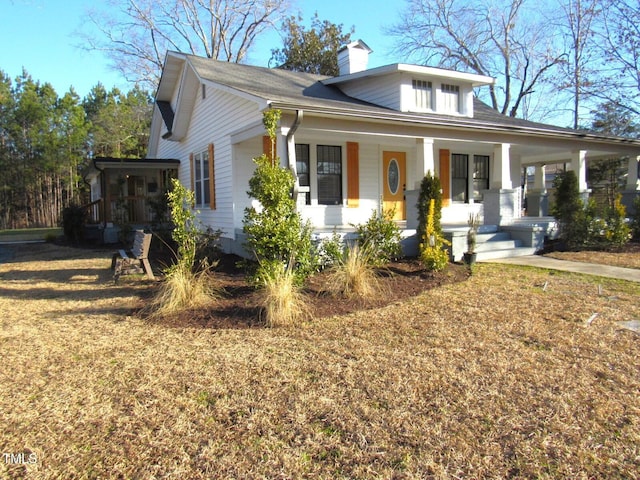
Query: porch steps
x=492 y=243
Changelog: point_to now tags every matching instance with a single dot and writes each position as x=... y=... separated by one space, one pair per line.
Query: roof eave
x=455 y=123
x=146 y=163
x=475 y=79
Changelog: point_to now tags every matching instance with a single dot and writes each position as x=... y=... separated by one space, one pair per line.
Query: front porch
x=480 y=172
x=347 y=169
x=126 y=193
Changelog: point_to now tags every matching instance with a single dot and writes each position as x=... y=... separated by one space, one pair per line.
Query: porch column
x=517 y=183
x=425 y=161
x=501 y=204
x=501 y=175
x=539 y=178
x=579 y=166
x=632 y=189
x=537 y=197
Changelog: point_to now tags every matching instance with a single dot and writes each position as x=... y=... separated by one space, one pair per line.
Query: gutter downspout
x=291 y=152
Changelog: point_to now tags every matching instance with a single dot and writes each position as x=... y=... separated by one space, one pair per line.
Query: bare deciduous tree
x=621 y=31
x=579 y=74
x=495 y=38
x=136 y=34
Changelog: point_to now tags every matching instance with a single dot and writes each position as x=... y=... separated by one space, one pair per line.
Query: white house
x=361 y=141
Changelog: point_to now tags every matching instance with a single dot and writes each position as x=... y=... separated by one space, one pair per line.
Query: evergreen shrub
x=380 y=237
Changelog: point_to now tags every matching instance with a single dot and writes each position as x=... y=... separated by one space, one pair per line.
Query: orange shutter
x=353 y=174
x=212 y=179
x=266 y=147
x=193 y=178
x=445 y=176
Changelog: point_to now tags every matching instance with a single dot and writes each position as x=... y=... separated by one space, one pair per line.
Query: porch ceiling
x=530 y=149
x=530 y=154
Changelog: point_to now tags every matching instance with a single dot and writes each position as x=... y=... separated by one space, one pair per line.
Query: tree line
x=551 y=58
x=46 y=139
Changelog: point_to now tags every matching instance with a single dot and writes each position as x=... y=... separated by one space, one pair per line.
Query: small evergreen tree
x=617 y=232
x=185 y=228
x=380 y=238
x=635 y=219
x=568 y=209
x=585 y=225
x=275 y=231
x=73 y=221
x=430 y=189
x=432 y=243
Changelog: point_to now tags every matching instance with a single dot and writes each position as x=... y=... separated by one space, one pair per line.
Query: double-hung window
x=201 y=178
x=480 y=176
x=329 y=166
x=303 y=168
x=422 y=94
x=459 y=176
x=450 y=98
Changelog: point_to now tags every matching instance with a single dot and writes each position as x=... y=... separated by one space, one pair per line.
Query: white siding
x=395 y=91
x=243 y=155
x=383 y=91
x=213 y=120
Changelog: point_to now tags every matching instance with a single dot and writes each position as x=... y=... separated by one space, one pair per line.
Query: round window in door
x=393 y=176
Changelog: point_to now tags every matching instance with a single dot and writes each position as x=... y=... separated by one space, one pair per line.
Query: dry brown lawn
x=499 y=376
x=628 y=257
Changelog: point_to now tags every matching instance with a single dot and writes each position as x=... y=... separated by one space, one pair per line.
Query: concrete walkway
x=629 y=274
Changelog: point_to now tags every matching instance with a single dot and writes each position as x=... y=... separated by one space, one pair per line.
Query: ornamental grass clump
x=354 y=274
x=283 y=304
x=183 y=288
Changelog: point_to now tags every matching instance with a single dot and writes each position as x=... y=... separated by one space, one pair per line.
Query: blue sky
x=39 y=35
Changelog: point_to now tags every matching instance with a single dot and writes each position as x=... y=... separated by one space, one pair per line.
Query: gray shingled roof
x=275 y=85
x=286 y=89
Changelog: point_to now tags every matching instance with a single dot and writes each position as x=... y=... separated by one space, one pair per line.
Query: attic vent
x=353 y=58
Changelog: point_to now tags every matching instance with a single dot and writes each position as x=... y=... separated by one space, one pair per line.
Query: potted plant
x=470 y=254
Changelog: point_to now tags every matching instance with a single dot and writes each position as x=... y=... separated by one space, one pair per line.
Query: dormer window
x=423 y=93
x=450 y=98
x=413 y=88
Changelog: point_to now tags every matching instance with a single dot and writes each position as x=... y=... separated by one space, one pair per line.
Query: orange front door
x=394 y=173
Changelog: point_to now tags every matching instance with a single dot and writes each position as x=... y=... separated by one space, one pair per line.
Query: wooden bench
x=125 y=262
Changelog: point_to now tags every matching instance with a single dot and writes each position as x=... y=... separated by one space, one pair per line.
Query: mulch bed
x=239 y=304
